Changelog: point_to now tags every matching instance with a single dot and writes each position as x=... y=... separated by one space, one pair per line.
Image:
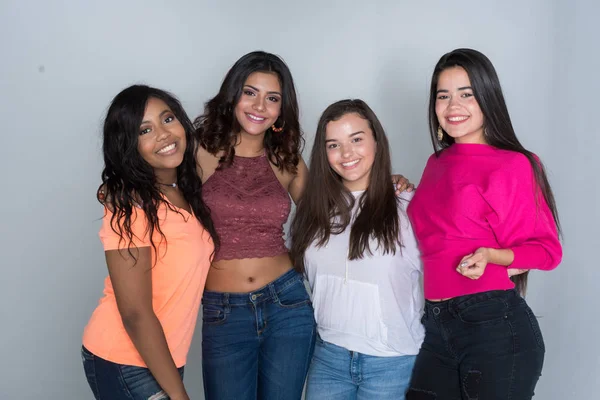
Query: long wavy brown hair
x=217 y=128
x=326 y=204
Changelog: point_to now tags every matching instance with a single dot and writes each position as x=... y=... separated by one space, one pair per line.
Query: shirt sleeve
x=111 y=239
x=521 y=219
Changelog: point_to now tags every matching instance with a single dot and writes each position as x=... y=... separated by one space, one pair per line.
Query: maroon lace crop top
x=249 y=207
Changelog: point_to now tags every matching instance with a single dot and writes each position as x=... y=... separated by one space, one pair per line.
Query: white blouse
x=372 y=305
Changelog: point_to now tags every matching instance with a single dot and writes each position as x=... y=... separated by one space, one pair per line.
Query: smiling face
x=351 y=149
x=457 y=109
x=259 y=105
x=162 y=138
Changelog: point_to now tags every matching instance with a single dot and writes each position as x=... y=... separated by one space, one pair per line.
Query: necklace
x=173 y=185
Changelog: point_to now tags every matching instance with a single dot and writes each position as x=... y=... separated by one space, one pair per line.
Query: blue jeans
x=339 y=374
x=111 y=381
x=481 y=346
x=258 y=345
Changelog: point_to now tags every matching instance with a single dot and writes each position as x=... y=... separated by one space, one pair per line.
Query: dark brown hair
x=128 y=181
x=217 y=128
x=326 y=204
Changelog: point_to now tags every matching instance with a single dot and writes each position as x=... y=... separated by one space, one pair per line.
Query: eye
x=274 y=99
x=356 y=140
x=331 y=146
x=248 y=92
x=145 y=130
x=465 y=95
x=170 y=118
x=442 y=97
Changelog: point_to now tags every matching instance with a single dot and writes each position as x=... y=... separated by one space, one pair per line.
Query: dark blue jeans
x=111 y=381
x=481 y=346
x=258 y=345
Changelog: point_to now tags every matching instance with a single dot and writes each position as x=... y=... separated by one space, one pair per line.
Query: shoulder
x=207 y=163
x=512 y=165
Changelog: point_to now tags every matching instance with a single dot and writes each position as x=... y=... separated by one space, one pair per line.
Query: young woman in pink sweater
x=483 y=212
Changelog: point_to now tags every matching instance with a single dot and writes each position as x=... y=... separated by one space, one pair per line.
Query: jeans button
x=253 y=297
x=436 y=310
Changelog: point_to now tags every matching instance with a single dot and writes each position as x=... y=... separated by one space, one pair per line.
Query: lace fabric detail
x=249 y=207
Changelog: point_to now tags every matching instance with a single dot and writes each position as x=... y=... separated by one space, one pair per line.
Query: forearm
x=147 y=335
x=503 y=257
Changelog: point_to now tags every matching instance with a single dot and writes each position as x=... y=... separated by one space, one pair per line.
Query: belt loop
x=273 y=292
x=226 y=302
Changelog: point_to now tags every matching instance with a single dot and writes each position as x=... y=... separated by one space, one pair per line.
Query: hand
x=515 y=271
x=402 y=184
x=473 y=265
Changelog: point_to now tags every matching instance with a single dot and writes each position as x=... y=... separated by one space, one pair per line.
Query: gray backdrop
x=63 y=61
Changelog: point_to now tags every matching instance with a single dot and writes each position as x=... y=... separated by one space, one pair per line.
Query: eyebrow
x=258 y=90
x=460 y=88
x=160 y=115
x=352 y=134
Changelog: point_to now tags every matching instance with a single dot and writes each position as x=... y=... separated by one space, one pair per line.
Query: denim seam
x=514 y=359
x=123 y=383
x=536 y=330
x=95 y=377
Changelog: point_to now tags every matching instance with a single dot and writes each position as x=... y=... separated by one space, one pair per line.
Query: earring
x=276 y=129
x=440 y=133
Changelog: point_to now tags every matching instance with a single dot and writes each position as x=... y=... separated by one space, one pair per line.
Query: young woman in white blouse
x=353 y=240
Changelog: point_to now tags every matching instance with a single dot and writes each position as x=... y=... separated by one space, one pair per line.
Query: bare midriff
x=246 y=275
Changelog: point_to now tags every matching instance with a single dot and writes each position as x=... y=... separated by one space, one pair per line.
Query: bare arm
x=296 y=186
x=132 y=283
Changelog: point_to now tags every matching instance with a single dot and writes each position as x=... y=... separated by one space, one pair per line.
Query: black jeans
x=482 y=346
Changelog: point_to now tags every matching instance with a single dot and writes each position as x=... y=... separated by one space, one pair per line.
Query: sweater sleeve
x=521 y=219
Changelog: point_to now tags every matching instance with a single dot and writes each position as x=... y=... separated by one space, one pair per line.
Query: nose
x=162 y=133
x=259 y=104
x=454 y=100
x=346 y=151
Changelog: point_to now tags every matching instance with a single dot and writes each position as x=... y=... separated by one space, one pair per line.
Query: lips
x=457 y=119
x=168 y=149
x=255 y=118
x=350 y=164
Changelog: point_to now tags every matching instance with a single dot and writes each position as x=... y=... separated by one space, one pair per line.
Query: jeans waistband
x=267 y=292
x=457 y=304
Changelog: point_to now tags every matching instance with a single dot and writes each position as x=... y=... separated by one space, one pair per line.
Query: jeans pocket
x=490 y=311
x=213 y=314
x=294 y=295
x=140 y=383
x=535 y=327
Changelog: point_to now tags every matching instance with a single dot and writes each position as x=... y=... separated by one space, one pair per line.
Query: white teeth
x=349 y=164
x=167 y=148
x=254 y=117
x=457 y=119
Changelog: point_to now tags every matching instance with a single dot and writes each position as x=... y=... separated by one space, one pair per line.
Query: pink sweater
x=475 y=195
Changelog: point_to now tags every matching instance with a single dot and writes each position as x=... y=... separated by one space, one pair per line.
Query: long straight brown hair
x=326 y=204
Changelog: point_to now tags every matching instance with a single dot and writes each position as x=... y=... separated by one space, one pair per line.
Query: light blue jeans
x=339 y=374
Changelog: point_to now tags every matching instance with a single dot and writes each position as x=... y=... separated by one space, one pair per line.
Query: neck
x=250 y=145
x=166 y=177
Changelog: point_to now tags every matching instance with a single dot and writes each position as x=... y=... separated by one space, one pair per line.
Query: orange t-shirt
x=178 y=278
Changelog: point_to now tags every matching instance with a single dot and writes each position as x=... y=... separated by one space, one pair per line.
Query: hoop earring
x=440 y=133
x=276 y=129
